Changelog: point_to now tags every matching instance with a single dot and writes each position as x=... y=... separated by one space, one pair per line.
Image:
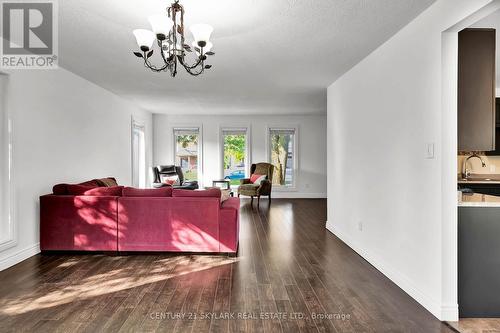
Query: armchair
x=171 y=170
x=253 y=190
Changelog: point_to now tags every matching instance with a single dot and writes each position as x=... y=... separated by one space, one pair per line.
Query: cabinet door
x=476 y=90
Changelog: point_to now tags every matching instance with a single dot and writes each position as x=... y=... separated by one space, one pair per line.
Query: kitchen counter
x=480 y=179
x=477 y=200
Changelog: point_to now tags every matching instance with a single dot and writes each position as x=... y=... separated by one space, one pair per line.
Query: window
x=187 y=156
x=235 y=154
x=138 y=155
x=282 y=154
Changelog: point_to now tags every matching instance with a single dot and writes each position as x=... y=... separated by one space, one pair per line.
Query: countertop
x=477 y=200
x=480 y=179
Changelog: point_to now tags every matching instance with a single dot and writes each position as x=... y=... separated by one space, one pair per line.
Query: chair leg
x=251 y=201
x=258 y=201
x=269 y=198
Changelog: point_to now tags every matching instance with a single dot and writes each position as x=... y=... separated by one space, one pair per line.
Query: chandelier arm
x=154 y=68
x=186 y=66
x=162 y=53
x=189 y=69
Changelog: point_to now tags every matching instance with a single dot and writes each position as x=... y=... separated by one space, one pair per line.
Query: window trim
x=138 y=124
x=7 y=213
x=295 y=171
x=248 y=148
x=198 y=127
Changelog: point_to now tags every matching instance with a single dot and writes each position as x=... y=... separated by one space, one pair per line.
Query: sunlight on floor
x=114 y=280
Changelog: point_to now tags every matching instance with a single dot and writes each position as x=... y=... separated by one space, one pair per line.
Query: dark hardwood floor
x=291 y=275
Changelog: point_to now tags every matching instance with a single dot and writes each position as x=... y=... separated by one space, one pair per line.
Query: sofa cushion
x=115 y=191
x=249 y=187
x=150 y=192
x=213 y=192
x=62 y=189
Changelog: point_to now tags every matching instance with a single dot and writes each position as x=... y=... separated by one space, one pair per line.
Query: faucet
x=465 y=171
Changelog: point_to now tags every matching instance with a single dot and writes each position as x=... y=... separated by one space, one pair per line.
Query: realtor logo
x=29 y=34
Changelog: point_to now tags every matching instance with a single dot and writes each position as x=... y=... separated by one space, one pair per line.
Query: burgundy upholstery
x=213 y=192
x=62 y=189
x=150 y=192
x=136 y=222
x=168 y=224
x=115 y=191
x=81 y=223
x=229 y=228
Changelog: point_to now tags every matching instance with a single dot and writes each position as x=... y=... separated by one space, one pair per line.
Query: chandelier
x=168 y=31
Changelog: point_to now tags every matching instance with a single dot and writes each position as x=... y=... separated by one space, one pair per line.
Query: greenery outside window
x=282 y=154
x=187 y=144
x=235 y=154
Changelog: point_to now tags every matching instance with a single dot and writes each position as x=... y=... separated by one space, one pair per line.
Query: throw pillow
x=108 y=182
x=254 y=177
x=224 y=195
x=260 y=180
x=170 y=180
x=91 y=183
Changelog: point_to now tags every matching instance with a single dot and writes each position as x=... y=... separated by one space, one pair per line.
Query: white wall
x=65 y=129
x=385 y=196
x=311 y=176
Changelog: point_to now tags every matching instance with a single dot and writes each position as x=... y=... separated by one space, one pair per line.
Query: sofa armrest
x=265 y=187
x=245 y=181
x=229 y=225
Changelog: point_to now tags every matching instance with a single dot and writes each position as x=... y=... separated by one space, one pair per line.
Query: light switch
x=430 y=150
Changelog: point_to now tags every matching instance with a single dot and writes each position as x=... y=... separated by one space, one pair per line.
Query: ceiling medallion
x=168 y=31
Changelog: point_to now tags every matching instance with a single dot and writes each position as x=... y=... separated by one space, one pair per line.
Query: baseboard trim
x=296 y=195
x=442 y=312
x=19 y=256
x=449 y=312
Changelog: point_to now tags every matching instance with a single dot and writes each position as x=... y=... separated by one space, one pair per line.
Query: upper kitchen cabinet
x=476 y=90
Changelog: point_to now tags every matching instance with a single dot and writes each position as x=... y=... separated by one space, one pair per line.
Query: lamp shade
x=201 y=32
x=160 y=24
x=206 y=48
x=145 y=38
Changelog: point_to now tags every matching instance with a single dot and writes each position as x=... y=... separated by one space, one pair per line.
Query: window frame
x=199 y=128
x=295 y=170
x=248 y=147
x=7 y=213
x=137 y=124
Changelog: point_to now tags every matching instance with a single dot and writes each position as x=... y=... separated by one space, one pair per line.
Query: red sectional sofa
x=81 y=218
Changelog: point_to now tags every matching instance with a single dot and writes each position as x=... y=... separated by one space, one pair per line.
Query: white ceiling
x=272 y=56
x=492 y=21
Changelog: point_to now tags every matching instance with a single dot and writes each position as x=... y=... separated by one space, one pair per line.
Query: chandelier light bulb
x=161 y=25
x=201 y=34
x=145 y=39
